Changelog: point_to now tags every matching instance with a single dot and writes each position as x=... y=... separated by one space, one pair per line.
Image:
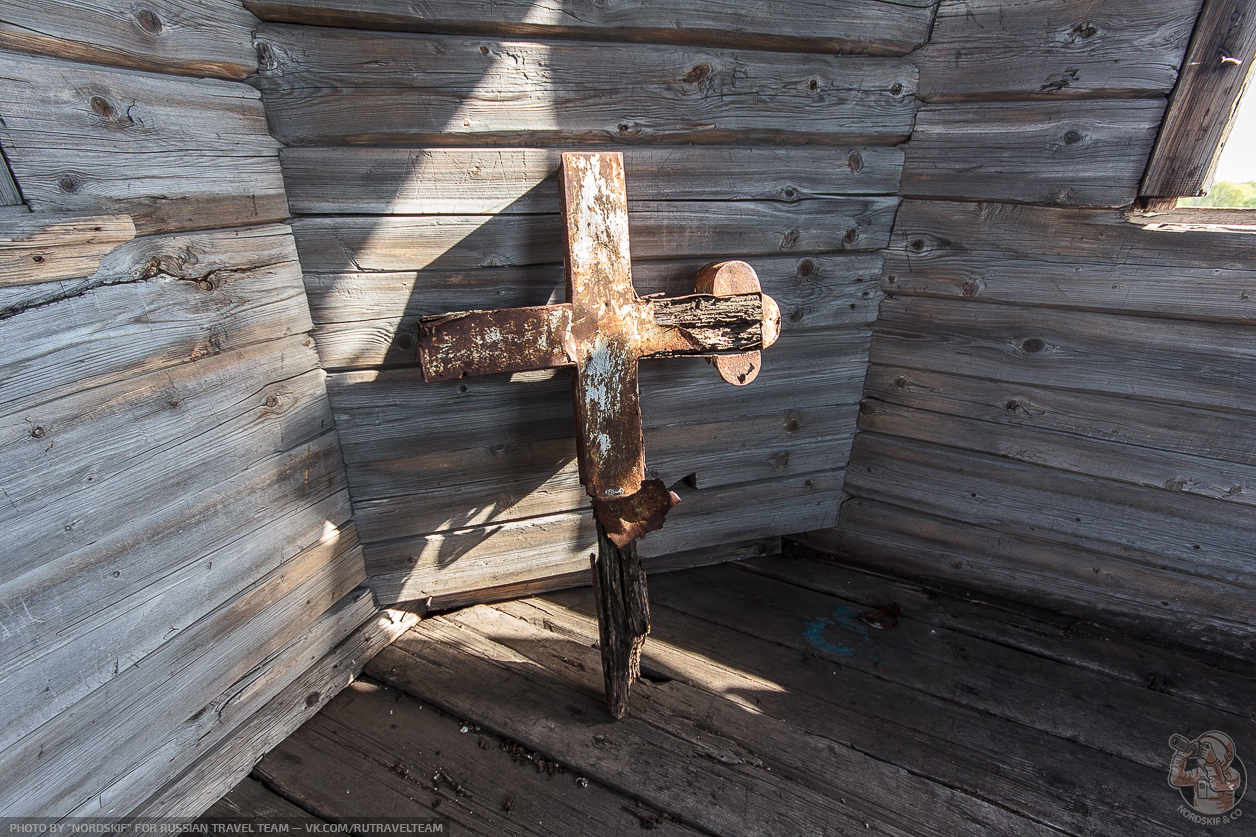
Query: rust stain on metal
x=603 y=331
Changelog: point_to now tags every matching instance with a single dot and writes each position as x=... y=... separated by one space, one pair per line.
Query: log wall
x=421 y=160
x=1058 y=405
x=179 y=547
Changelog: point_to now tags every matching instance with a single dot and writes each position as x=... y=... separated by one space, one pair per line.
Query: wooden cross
x=603 y=330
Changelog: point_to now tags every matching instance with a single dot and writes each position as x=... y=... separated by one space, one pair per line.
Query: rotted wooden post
x=603 y=330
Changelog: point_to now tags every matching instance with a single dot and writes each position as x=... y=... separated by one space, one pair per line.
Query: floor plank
x=767 y=705
x=375 y=749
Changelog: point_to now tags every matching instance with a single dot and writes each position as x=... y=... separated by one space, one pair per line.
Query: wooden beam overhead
x=1218 y=64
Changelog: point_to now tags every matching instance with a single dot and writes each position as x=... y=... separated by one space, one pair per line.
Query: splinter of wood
x=603 y=330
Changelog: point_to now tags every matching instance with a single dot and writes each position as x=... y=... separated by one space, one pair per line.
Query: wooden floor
x=768 y=705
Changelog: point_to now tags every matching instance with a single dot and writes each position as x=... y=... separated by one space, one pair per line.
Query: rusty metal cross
x=603 y=330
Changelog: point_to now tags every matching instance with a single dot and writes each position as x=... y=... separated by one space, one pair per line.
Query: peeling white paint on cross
x=603 y=330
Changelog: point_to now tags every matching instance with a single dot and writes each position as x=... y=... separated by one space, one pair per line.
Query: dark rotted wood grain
x=354 y=180
x=1018 y=49
x=1199 y=117
x=623 y=617
x=187 y=37
x=1069 y=153
x=173 y=153
x=327 y=86
x=1062 y=258
x=873 y=27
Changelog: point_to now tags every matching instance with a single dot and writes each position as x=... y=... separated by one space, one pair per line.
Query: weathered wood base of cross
x=623 y=617
x=602 y=331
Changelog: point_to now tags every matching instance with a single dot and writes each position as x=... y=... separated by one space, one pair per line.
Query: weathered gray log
x=425 y=89
x=314 y=667
x=369 y=319
x=1062 y=258
x=1199 y=118
x=468 y=558
x=1074 y=153
x=155 y=302
x=1145 y=600
x=623 y=617
x=66 y=765
x=423 y=181
x=43 y=247
x=188 y=37
x=660 y=229
x=1174 y=361
x=1016 y=49
x=1196 y=536
x=418 y=492
x=173 y=153
x=871 y=27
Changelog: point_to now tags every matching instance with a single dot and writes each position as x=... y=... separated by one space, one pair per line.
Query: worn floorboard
x=769 y=703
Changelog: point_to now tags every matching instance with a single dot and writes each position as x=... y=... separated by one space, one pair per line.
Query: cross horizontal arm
x=502 y=340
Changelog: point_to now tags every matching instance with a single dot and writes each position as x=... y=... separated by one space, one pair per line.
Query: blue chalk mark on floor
x=815 y=629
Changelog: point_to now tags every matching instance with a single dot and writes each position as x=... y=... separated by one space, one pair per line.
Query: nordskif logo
x=1209 y=775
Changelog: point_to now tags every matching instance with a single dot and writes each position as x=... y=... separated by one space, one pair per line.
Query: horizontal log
x=1074 y=153
x=1207 y=438
x=1207 y=365
x=872 y=27
x=1062 y=258
x=383 y=414
x=1165 y=530
x=370 y=319
x=193 y=739
x=64 y=765
x=1164 y=469
x=1017 y=48
x=736 y=551
x=188 y=37
x=173 y=153
x=42 y=247
x=494 y=482
x=132 y=446
x=475 y=181
x=155 y=302
x=659 y=229
x=1187 y=610
x=421 y=89
x=174 y=565
x=471 y=558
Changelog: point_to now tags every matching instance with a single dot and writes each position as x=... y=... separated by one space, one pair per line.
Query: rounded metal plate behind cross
x=735 y=277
